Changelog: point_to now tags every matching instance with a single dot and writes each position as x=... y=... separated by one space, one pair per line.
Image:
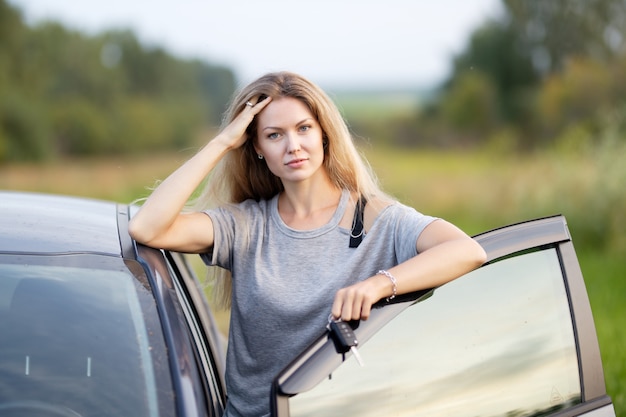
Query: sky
x=340 y=44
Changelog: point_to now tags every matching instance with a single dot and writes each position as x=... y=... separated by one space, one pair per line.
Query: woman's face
x=290 y=139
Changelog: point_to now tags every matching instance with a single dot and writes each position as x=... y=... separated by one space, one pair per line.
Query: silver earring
x=260 y=156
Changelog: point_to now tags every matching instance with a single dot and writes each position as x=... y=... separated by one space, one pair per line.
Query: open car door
x=515 y=337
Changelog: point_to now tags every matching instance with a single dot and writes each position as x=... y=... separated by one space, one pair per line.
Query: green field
x=476 y=190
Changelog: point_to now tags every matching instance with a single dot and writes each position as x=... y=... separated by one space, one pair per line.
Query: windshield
x=80 y=338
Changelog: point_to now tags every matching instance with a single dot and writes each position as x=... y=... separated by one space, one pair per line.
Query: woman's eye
x=272 y=136
x=304 y=128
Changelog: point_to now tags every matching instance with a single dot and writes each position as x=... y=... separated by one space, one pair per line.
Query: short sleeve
x=409 y=225
x=233 y=226
x=223 y=238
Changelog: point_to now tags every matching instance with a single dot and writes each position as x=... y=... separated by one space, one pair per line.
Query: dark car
x=92 y=324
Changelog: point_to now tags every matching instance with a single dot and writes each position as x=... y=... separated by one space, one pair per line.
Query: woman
x=301 y=227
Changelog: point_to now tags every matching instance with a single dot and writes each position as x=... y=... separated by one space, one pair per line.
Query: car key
x=345 y=338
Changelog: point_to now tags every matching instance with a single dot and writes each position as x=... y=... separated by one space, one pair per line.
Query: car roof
x=45 y=223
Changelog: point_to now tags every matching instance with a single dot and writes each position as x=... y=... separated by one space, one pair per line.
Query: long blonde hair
x=241 y=175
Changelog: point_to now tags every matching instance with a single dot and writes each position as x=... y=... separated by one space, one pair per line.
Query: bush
x=22 y=129
x=79 y=128
x=592 y=193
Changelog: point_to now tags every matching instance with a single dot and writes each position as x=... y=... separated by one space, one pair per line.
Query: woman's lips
x=295 y=163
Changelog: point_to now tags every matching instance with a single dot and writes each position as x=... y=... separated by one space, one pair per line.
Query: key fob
x=344 y=338
x=343 y=335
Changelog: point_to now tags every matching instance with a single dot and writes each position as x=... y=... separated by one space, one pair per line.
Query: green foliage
x=549 y=69
x=554 y=31
x=22 y=134
x=66 y=93
x=495 y=52
x=581 y=94
x=79 y=127
x=592 y=192
x=532 y=73
x=470 y=104
x=604 y=278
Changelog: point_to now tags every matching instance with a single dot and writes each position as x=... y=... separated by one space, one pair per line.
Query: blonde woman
x=296 y=220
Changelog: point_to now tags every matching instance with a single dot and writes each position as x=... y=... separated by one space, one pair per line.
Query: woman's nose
x=293 y=143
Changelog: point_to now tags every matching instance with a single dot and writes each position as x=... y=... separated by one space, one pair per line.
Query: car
x=94 y=324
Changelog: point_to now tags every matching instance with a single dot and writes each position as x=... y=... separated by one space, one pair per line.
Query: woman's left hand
x=355 y=302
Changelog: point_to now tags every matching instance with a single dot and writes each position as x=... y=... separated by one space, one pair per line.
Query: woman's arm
x=160 y=223
x=445 y=253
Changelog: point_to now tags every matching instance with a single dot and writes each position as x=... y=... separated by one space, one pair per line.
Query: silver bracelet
x=394 y=283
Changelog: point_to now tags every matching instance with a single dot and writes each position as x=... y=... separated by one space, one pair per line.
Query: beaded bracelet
x=393 y=282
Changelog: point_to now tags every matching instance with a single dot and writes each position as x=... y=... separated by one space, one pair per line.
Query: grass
x=121 y=179
x=606 y=286
x=477 y=191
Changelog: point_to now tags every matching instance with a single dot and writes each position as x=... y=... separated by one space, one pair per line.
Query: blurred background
x=485 y=112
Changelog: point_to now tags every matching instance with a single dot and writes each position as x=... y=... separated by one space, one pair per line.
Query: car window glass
x=83 y=339
x=498 y=341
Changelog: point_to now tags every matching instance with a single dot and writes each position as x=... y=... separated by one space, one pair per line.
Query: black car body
x=94 y=325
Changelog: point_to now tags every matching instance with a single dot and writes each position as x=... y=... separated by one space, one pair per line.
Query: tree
x=67 y=93
x=525 y=51
x=556 y=30
x=495 y=51
x=470 y=104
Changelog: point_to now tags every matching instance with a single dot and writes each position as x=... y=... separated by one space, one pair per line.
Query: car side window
x=497 y=341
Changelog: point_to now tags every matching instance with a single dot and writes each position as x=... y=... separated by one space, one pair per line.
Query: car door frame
x=188 y=326
x=320 y=359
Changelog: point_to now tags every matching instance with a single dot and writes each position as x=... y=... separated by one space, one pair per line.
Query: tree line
x=541 y=73
x=64 y=93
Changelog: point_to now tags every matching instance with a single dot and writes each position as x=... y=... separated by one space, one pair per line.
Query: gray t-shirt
x=284 y=283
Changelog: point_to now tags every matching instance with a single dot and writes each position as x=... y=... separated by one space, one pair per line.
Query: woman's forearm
x=445 y=253
x=160 y=210
x=438 y=265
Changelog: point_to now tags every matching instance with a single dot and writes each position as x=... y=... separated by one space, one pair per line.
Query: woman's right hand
x=234 y=135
